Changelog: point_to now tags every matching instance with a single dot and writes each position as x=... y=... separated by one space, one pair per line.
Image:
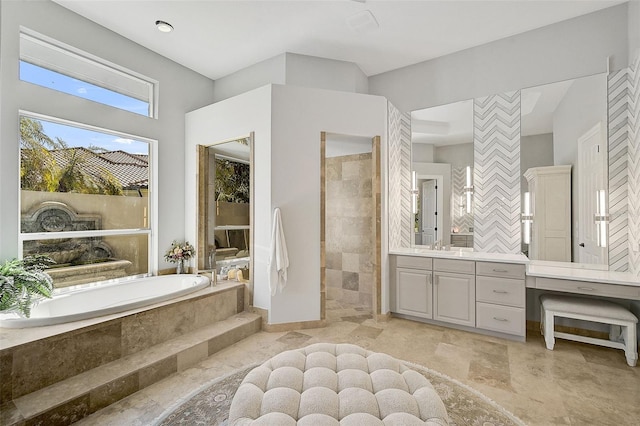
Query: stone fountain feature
x=78 y=260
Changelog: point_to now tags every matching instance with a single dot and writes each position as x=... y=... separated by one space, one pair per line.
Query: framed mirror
x=442 y=171
x=564 y=160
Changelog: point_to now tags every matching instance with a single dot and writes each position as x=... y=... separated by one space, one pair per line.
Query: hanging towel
x=278 y=257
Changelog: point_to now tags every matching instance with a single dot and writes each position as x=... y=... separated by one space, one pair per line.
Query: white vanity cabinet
x=471 y=294
x=454 y=291
x=414 y=286
x=501 y=297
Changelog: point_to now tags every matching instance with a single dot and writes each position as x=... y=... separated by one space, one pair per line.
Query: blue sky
x=74 y=136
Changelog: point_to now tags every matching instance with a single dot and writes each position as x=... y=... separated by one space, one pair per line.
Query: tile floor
x=575 y=384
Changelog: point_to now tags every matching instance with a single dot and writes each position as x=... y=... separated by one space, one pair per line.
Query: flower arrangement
x=179 y=252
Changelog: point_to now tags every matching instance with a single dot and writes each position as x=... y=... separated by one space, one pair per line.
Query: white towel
x=278 y=257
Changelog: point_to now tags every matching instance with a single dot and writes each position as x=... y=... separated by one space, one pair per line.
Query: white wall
x=634 y=30
x=297 y=70
x=422 y=152
x=459 y=155
x=181 y=90
x=298 y=116
x=230 y=119
x=322 y=73
x=272 y=70
x=572 y=48
x=342 y=145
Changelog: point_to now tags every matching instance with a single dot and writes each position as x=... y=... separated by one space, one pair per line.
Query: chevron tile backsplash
x=618 y=104
x=496 y=121
x=634 y=167
x=461 y=219
x=399 y=143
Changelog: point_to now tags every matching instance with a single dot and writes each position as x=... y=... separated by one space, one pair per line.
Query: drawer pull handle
x=500 y=291
x=500 y=319
x=500 y=270
x=586 y=288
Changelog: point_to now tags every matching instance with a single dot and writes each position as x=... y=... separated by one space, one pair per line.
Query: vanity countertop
x=582 y=274
x=461 y=254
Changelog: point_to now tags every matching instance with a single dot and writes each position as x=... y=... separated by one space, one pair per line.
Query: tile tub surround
x=349 y=229
x=35 y=358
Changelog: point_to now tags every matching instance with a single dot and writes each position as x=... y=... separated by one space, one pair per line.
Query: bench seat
x=595 y=310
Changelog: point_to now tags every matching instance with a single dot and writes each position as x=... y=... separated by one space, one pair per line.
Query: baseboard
x=292 y=326
x=534 y=326
x=287 y=326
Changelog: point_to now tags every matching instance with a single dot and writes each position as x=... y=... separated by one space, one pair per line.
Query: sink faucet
x=437 y=245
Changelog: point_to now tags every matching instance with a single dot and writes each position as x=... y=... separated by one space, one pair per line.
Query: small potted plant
x=23 y=283
x=179 y=253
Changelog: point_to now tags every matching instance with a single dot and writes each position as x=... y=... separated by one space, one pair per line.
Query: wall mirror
x=442 y=174
x=225 y=190
x=564 y=161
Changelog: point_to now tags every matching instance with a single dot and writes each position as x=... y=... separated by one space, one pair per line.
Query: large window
x=60 y=67
x=84 y=199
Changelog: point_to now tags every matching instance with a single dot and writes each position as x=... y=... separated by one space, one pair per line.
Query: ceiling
x=217 y=38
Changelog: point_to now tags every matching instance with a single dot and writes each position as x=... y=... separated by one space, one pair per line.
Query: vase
x=180 y=267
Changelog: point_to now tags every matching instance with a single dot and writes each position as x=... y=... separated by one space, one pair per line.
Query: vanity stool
x=335 y=384
x=595 y=310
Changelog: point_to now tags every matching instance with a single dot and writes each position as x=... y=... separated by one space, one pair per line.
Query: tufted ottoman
x=335 y=384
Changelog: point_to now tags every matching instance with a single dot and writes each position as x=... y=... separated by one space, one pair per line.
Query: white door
x=592 y=177
x=429 y=211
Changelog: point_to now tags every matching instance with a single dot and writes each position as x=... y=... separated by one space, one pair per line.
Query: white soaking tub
x=105 y=299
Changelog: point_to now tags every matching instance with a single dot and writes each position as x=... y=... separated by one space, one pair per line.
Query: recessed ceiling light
x=165 y=27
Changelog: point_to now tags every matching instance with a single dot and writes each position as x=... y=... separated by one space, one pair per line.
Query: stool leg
x=549 y=338
x=630 y=344
x=614 y=333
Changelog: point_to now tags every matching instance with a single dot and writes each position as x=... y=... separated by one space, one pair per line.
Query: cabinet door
x=454 y=297
x=414 y=292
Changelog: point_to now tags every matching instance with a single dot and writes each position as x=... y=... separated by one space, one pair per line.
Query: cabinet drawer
x=504 y=319
x=503 y=291
x=586 y=287
x=414 y=262
x=457 y=266
x=502 y=270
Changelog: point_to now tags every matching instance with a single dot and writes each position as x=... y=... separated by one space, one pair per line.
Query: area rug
x=209 y=404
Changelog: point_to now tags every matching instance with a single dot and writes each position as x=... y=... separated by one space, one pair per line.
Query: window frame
x=119 y=72
x=150 y=231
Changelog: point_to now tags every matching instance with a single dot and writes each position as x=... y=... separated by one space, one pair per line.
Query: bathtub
x=105 y=299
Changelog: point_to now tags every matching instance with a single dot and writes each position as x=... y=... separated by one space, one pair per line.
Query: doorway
x=350 y=224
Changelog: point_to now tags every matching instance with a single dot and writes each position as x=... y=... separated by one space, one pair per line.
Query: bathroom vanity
x=474 y=291
x=487 y=292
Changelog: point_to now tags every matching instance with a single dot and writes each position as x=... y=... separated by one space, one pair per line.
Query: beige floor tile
x=575 y=384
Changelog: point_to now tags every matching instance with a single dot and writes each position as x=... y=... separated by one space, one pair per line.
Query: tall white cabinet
x=550 y=192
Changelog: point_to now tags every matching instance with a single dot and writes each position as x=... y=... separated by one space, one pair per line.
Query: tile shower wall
x=349 y=231
x=496 y=134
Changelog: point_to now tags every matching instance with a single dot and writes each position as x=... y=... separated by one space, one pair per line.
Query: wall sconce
x=414 y=193
x=468 y=189
x=601 y=218
x=527 y=219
